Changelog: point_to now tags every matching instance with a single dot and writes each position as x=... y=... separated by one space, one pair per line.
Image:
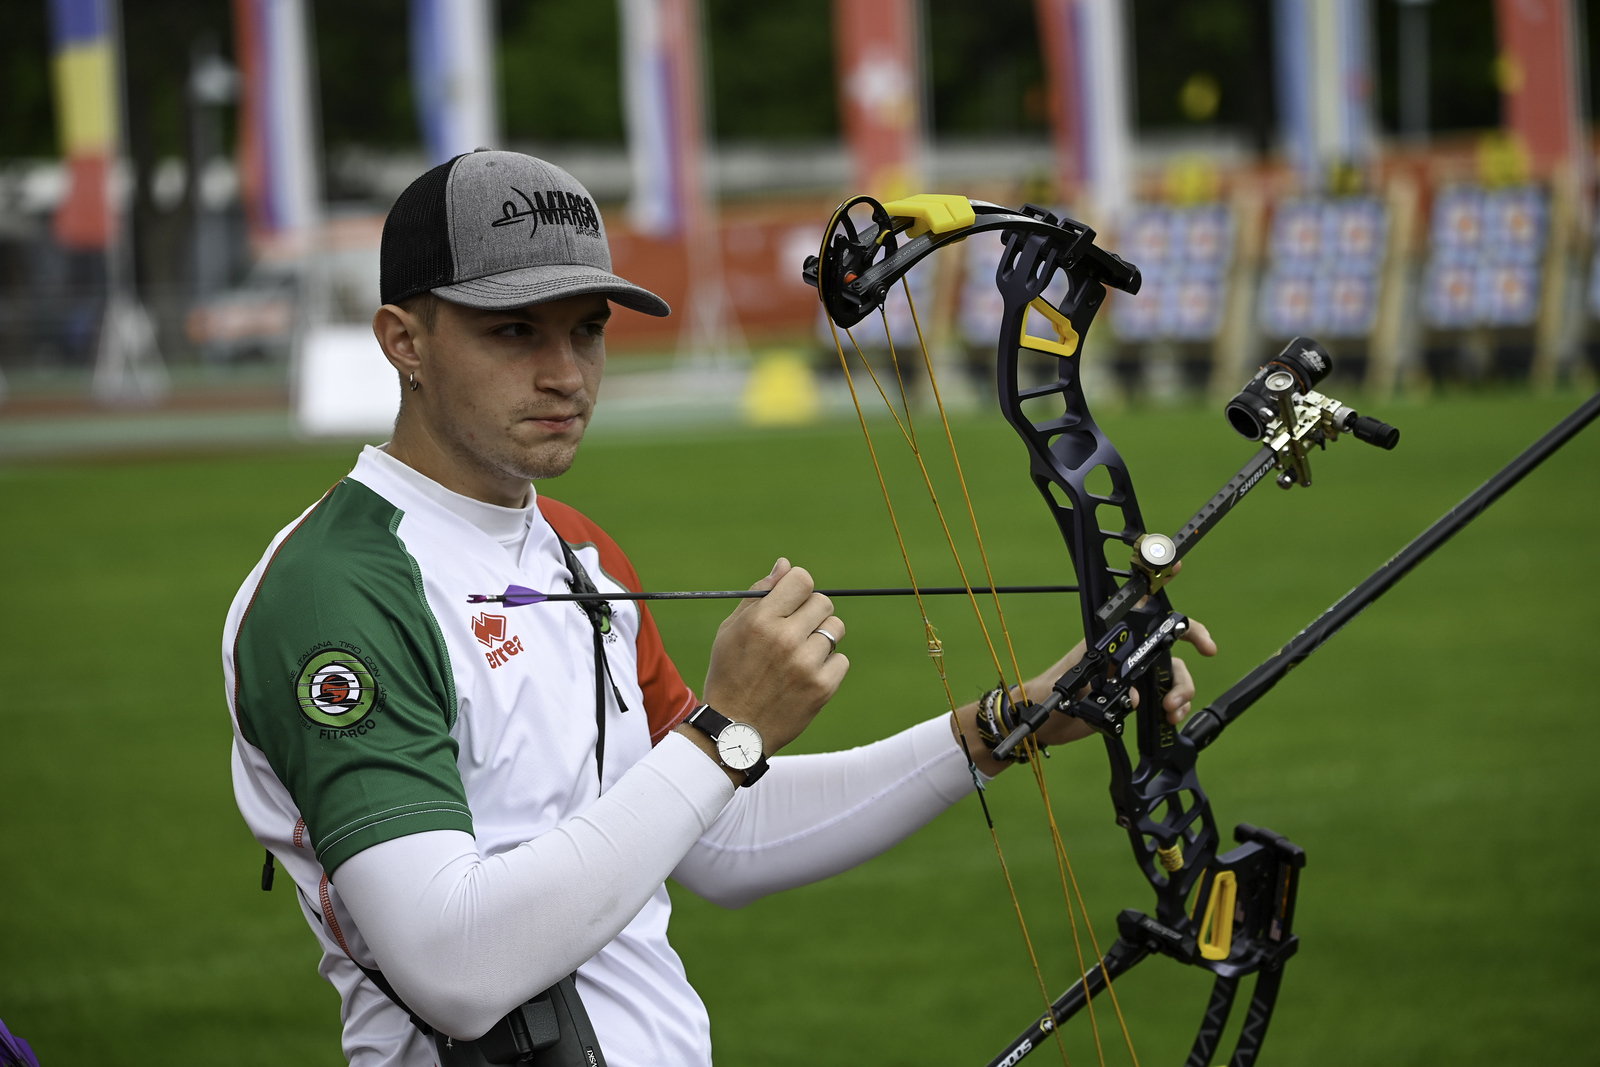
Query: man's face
x=511 y=392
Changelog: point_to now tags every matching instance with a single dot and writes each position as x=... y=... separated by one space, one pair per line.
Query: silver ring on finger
x=833 y=642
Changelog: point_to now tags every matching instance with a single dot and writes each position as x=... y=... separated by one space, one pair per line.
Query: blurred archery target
x=1183 y=255
x=1486 y=246
x=1296 y=241
x=1324 y=257
x=1509 y=294
x=1449 y=295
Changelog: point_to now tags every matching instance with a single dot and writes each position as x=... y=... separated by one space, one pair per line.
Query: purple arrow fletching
x=517 y=596
x=15 y=1052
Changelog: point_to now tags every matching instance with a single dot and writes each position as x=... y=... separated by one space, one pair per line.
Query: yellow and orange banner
x=87 y=119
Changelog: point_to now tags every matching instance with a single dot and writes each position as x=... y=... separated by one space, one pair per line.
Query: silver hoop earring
x=414 y=386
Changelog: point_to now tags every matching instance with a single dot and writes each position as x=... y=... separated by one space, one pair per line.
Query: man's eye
x=512 y=329
x=592 y=329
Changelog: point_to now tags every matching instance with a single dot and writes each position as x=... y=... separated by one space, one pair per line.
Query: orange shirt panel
x=668 y=700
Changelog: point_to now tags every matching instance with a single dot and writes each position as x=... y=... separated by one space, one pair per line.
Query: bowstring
x=936 y=652
x=1063 y=861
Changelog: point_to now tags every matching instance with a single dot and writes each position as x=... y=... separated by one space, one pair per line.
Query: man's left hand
x=1060 y=729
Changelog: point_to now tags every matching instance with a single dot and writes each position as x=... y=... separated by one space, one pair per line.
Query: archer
x=478 y=809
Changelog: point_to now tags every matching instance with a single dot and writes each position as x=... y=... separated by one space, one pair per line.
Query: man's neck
x=424 y=453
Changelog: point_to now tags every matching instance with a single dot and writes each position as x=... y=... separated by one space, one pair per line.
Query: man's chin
x=550 y=459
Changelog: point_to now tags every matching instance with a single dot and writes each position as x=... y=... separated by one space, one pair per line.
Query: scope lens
x=1308 y=361
x=1243 y=418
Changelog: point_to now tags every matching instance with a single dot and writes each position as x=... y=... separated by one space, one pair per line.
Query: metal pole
x=1413 y=73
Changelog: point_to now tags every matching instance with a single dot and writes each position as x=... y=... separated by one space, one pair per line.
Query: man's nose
x=558 y=371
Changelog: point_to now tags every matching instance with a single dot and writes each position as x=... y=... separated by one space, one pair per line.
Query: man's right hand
x=769 y=666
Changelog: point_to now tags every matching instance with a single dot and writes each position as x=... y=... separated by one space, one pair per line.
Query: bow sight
x=1278 y=406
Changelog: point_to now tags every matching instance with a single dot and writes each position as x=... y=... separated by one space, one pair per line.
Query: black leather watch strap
x=711 y=722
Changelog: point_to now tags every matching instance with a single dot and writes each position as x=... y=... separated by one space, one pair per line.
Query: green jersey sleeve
x=343 y=680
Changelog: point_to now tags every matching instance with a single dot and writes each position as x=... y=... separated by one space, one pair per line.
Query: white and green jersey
x=370 y=702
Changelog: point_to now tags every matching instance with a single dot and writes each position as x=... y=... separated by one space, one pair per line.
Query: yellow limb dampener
x=934 y=212
x=1216 y=929
x=1067 y=342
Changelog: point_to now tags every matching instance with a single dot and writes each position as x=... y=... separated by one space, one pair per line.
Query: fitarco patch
x=336 y=689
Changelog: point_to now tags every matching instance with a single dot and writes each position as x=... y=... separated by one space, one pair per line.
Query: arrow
x=517 y=596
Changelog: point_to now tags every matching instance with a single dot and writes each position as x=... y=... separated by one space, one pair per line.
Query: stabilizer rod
x=1205 y=727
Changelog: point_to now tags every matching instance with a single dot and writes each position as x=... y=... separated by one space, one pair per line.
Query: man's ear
x=397 y=331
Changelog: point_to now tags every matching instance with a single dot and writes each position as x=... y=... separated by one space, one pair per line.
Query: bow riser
x=1160 y=803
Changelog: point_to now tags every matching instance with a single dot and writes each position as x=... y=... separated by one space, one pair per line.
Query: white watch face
x=739 y=745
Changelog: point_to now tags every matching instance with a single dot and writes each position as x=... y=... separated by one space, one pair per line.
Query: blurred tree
x=560 y=70
x=1588 y=11
x=772 y=69
x=986 y=73
x=1461 y=51
x=157 y=36
x=364 y=73
x=1204 y=64
x=27 y=118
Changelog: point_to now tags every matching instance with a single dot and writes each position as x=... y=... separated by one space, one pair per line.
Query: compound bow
x=1227 y=912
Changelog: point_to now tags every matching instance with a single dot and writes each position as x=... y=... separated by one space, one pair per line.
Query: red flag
x=1058 y=31
x=880 y=89
x=1538 y=79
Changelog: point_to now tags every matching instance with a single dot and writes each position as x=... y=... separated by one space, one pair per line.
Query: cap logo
x=553 y=207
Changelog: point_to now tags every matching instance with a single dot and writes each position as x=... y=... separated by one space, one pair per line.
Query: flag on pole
x=1323 y=57
x=87 y=117
x=88 y=79
x=453 y=76
x=673 y=193
x=278 y=132
x=1086 y=60
x=1538 y=73
x=877 y=44
x=658 y=140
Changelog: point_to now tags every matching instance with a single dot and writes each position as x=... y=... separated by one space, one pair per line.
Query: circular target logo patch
x=335 y=688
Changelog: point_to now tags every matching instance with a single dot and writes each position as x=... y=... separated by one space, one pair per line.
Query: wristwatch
x=738 y=743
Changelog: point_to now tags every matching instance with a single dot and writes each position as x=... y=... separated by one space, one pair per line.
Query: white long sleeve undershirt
x=464 y=939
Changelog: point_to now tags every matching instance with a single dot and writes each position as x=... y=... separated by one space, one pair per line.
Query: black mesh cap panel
x=415 y=255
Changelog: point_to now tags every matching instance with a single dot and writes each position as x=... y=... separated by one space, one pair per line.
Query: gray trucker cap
x=501 y=230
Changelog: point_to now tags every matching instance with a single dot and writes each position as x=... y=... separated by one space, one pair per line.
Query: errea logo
x=490 y=630
x=553 y=207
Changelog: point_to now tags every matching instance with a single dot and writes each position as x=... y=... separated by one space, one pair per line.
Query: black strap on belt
x=599 y=613
x=551 y=1029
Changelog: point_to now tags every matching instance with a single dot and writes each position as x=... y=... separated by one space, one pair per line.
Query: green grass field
x=1434 y=760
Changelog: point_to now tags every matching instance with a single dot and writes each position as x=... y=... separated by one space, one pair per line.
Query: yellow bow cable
x=908 y=432
x=1063 y=863
x=936 y=648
